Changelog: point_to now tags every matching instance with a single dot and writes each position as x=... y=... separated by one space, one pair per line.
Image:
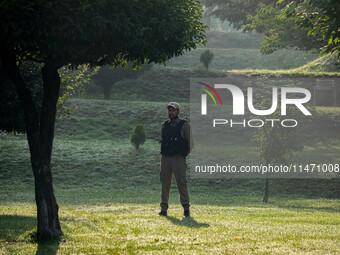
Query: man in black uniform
x=176 y=144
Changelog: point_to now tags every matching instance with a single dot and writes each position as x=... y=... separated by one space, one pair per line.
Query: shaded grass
x=165 y=84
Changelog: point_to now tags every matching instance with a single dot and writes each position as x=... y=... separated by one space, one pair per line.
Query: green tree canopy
x=309 y=25
x=11 y=113
x=234 y=11
x=100 y=32
x=281 y=31
x=322 y=20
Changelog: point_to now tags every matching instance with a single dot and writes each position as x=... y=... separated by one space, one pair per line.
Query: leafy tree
x=281 y=31
x=321 y=19
x=206 y=58
x=11 y=113
x=62 y=32
x=276 y=143
x=106 y=77
x=72 y=80
x=310 y=25
x=235 y=11
x=138 y=136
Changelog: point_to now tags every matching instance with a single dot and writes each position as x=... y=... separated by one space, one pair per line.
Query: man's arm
x=187 y=135
x=162 y=127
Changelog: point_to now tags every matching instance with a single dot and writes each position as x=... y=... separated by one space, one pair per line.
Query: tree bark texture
x=40 y=133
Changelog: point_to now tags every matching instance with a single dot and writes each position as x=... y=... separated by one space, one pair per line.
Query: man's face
x=172 y=113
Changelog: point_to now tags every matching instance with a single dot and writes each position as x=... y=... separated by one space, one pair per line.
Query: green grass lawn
x=109 y=195
x=242 y=58
x=232 y=51
x=237 y=50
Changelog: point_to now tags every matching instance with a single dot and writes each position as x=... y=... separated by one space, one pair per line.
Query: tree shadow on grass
x=12 y=227
x=303 y=207
x=47 y=248
x=187 y=222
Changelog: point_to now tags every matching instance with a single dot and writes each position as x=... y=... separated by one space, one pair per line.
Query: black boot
x=163 y=213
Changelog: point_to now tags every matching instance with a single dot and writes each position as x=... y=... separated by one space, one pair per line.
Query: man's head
x=173 y=110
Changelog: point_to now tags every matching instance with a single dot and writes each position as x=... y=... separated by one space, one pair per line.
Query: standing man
x=176 y=144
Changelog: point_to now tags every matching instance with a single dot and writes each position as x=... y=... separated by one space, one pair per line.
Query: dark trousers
x=174 y=164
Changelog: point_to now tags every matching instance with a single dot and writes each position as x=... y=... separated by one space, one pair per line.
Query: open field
x=109 y=194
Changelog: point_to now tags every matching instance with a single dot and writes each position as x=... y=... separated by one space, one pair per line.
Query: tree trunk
x=40 y=133
x=48 y=219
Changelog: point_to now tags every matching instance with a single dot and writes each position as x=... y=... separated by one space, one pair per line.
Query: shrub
x=138 y=136
x=206 y=58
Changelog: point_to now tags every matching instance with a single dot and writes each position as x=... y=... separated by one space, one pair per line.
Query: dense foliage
x=310 y=25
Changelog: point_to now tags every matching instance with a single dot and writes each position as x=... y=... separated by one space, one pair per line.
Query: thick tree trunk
x=48 y=219
x=40 y=133
x=47 y=208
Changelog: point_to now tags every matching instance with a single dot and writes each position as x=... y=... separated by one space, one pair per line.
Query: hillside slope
x=326 y=63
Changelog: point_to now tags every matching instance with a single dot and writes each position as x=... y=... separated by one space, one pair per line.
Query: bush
x=206 y=58
x=138 y=136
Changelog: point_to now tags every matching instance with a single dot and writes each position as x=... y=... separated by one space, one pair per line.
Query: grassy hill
x=237 y=50
x=326 y=63
x=172 y=84
x=235 y=53
x=232 y=51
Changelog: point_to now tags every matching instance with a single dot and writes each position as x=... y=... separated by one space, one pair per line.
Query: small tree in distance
x=276 y=144
x=138 y=136
x=206 y=58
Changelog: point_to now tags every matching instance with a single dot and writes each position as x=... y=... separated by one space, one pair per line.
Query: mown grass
x=109 y=195
x=237 y=50
x=284 y=73
x=134 y=229
x=173 y=84
x=326 y=63
x=242 y=58
x=232 y=51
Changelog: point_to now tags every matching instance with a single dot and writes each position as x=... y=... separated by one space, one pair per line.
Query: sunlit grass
x=276 y=228
x=285 y=72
